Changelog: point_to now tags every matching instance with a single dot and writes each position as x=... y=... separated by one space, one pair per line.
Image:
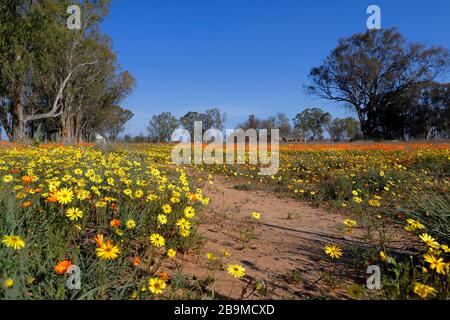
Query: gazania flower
x=357 y=199
x=438 y=264
x=130 y=224
x=383 y=256
x=99 y=240
x=349 y=223
x=236 y=270
x=8 y=178
x=333 y=251
x=62 y=266
x=163 y=276
x=156 y=285
x=8 y=283
x=256 y=215
x=183 y=224
x=167 y=208
x=157 y=240
x=115 y=223
x=137 y=261
x=374 y=203
x=52 y=197
x=27 y=179
x=429 y=240
x=162 y=218
x=413 y=225
x=74 y=214
x=27 y=204
x=189 y=212
x=171 y=253
x=424 y=291
x=108 y=251
x=65 y=195
x=14 y=242
x=185 y=233
x=211 y=256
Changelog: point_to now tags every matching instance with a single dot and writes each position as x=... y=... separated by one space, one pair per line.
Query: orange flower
x=38 y=190
x=26 y=204
x=99 y=240
x=52 y=197
x=61 y=267
x=192 y=196
x=113 y=206
x=163 y=276
x=115 y=223
x=137 y=261
x=27 y=179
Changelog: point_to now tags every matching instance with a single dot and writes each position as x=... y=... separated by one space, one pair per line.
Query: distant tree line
x=162 y=126
x=56 y=83
x=308 y=125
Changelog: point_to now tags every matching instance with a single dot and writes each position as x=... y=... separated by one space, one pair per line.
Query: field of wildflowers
x=123 y=215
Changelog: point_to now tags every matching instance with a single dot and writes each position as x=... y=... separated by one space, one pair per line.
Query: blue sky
x=245 y=56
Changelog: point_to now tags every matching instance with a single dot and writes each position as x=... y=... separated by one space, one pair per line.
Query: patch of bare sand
x=291 y=237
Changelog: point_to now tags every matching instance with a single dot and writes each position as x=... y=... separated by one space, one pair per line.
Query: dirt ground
x=285 y=251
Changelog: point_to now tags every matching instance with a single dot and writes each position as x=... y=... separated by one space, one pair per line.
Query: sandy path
x=280 y=244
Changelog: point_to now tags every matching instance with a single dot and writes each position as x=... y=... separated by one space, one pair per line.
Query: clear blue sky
x=245 y=56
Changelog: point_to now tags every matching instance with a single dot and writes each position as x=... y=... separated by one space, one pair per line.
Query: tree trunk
x=18 y=121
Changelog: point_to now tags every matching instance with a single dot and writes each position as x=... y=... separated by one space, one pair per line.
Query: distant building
x=99 y=138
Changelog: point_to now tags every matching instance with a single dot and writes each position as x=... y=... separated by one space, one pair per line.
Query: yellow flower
x=413 y=225
x=156 y=285
x=354 y=192
x=236 y=270
x=424 y=291
x=74 y=214
x=211 y=257
x=256 y=215
x=171 y=253
x=445 y=248
x=226 y=253
x=435 y=263
x=189 y=212
x=138 y=194
x=162 y=218
x=157 y=240
x=8 y=178
x=64 y=196
x=333 y=251
x=374 y=203
x=167 y=208
x=185 y=233
x=14 y=242
x=429 y=240
x=383 y=256
x=108 y=251
x=130 y=224
x=349 y=223
x=175 y=200
x=357 y=199
x=381 y=173
x=183 y=224
x=8 y=283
